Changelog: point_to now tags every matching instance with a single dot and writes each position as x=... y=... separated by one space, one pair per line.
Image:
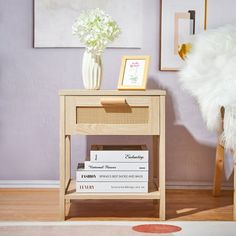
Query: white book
x=123 y=176
x=106 y=153
x=112 y=187
x=88 y=165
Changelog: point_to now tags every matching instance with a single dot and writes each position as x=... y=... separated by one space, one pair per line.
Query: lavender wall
x=29 y=104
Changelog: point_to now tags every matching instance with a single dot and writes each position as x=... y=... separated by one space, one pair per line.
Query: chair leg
x=219 y=164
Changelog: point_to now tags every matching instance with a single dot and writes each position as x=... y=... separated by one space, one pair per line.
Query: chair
x=219 y=165
x=219 y=162
x=184 y=49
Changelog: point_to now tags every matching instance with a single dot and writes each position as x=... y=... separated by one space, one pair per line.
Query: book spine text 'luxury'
x=112 y=187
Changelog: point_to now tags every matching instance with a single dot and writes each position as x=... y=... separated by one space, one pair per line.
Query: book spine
x=87 y=175
x=112 y=187
x=119 y=156
x=115 y=166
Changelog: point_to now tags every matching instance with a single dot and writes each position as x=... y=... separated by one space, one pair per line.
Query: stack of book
x=114 y=169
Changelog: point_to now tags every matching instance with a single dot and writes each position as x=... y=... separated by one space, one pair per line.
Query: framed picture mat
x=124 y=82
x=166 y=68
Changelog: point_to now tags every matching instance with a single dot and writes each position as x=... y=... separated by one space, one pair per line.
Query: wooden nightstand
x=111 y=112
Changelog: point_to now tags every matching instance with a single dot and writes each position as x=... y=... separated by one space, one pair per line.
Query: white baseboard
x=55 y=184
x=196 y=185
x=29 y=183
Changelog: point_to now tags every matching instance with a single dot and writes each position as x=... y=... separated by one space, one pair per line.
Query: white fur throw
x=210 y=76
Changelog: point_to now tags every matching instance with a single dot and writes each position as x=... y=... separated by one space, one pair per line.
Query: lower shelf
x=72 y=194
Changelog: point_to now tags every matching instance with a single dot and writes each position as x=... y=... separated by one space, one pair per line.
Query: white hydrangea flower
x=95 y=30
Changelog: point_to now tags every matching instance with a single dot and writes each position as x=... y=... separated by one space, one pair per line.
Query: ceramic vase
x=91 y=70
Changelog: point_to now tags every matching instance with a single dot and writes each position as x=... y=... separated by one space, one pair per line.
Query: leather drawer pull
x=113 y=101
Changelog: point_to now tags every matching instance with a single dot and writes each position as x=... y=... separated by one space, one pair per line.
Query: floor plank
x=43 y=205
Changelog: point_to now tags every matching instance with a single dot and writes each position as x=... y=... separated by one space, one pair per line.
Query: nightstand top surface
x=84 y=92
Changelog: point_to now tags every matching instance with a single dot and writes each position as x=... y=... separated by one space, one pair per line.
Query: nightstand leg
x=155 y=162
x=62 y=158
x=162 y=210
x=68 y=163
x=155 y=156
x=62 y=179
x=62 y=208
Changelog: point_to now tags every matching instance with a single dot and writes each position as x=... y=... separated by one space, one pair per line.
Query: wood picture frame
x=133 y=73
x=180 y=21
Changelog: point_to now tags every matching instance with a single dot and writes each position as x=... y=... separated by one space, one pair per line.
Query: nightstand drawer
x=112 y=115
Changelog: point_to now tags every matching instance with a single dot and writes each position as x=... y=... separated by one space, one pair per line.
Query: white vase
x=91 y=70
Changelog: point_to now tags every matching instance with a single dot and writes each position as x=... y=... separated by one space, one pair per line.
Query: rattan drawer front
x=109 y=115
x=116 y=115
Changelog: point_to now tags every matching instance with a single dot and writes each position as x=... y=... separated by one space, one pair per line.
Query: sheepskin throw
x=210 y=76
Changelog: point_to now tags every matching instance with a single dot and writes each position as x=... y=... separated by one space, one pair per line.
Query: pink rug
x=88 y=230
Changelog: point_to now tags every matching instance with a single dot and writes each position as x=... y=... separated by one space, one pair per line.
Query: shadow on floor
x=180 y=205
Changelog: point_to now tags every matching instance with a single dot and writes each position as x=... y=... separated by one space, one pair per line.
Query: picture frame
x=53 y=20
x=180 y=21
x=133 y=73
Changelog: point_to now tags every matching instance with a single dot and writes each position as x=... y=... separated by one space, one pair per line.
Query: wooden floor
x=43 y=205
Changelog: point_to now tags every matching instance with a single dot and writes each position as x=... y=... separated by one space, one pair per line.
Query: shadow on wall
x=187 y=161
x=185 y=157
